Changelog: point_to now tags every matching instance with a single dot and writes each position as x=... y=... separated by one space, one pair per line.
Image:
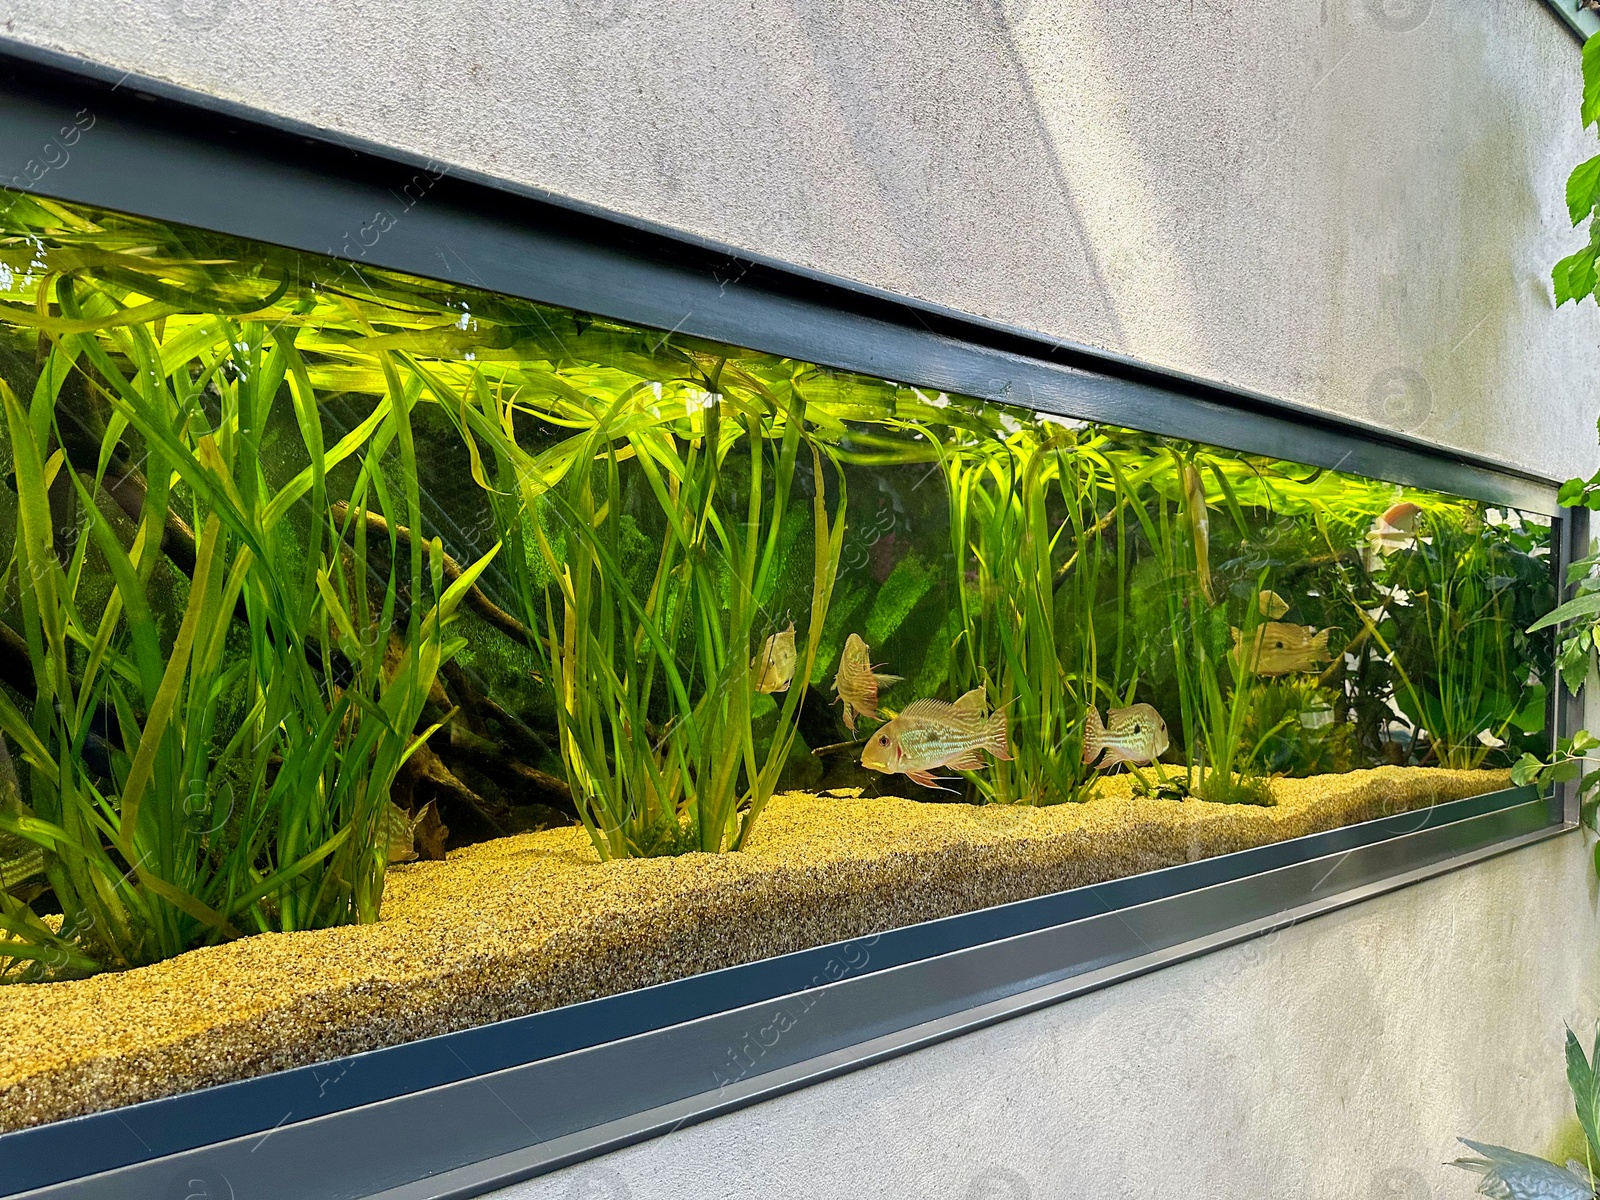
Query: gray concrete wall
x=1352 y=204
x=1348 y=203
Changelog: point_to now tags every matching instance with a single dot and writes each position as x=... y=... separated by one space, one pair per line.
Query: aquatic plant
x=1010 y=554
x=658 y=681
x=1215 y=688
x=161 y=827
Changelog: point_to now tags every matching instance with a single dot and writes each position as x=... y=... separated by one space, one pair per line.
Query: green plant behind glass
x=655 y=685
x=1027 y=542
x=190 y=832
x=1216 y=689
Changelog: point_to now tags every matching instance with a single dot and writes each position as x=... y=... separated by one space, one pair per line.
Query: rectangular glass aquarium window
x=380 y=657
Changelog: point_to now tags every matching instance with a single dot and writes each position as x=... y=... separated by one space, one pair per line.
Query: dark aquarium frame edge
x=432 y=1118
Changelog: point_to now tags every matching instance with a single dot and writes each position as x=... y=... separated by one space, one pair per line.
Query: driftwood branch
x=486 y=608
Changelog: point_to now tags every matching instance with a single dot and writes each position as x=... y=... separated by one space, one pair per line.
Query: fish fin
x=1319 y=644
x=996 y=743
x=1094 y=732
x=928 y=780
x=927 y=707
x=849 y=716
x=968 y=760
x=884 y=680
x=971 y=702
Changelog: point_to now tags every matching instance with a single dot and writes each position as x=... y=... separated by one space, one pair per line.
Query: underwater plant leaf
x=1531 y=717
x=166 y=699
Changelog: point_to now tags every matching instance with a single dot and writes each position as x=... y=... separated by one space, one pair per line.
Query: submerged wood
x=480 y=603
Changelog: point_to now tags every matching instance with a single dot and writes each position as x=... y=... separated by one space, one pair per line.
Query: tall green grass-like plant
x=1216 y=689
x=1023 y=527
x=655 y=684
x=189 y=832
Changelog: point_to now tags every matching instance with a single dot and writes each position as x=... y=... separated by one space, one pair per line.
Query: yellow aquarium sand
x=533 y=921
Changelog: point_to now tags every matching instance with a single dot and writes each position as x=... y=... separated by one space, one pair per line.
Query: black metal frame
x=460 y=1114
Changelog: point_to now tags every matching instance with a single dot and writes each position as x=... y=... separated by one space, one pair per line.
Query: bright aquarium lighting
x=382 y=657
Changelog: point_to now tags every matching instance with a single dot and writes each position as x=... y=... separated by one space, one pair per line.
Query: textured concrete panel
x=1352 y=204
x=1335 y=1060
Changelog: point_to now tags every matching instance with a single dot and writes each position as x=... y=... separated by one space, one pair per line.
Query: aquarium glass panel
x=368 y=635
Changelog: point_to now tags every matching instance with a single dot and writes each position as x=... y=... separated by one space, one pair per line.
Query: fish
x=857 y=683
x=774 y=666
x=1392 y=531
x=933 y=733
x=1194 y=504
x=1272 y=605
x=1135 y=735
x=20 y=861
x=1278 y=648
x=400 y=830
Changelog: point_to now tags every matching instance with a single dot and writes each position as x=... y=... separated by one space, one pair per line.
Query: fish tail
x=1319 y=644
x=995 y=739
x=1094 y=736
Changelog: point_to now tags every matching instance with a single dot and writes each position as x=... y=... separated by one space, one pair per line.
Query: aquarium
x=368 y=636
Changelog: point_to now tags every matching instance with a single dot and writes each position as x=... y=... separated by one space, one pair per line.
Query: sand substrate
x=533 y=921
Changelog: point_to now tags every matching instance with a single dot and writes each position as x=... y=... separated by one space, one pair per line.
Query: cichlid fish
x=1271 y=605
x=774 y=666
x=1194 y=505
x=1278 y=648
x=399 y=831
x=932 y=733
x=1394 y=530
x=857 y=683
x=1135 y=735
x=20 y=861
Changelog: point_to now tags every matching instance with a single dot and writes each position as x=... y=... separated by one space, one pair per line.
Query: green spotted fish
x=1136 y=735
x=932 y=733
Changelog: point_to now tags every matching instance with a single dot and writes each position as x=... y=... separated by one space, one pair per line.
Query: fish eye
x=883 y=741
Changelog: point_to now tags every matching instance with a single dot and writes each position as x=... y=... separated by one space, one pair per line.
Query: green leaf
x=1573 y=276
x=1584 y=606
x=1583 y=741
x=1526 y=770
x=1572 y=490
x=1591 y=81
x=1583 y=188
x=1531 y=717
x=1563 y=772
x=1585 y=1096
